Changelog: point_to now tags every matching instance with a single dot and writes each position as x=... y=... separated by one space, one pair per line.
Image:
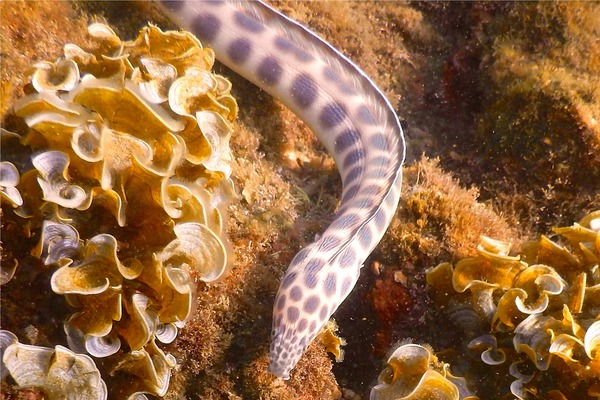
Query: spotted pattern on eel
x=354 y=121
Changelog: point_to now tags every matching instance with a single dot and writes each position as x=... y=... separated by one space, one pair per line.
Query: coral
x=131 y=173
x=542 y=308
x=59 y=373
x=414 y=372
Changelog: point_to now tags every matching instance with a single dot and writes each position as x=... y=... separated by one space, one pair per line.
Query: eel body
x=354 y=121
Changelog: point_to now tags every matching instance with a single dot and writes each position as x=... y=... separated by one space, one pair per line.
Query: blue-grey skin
x=355 y=122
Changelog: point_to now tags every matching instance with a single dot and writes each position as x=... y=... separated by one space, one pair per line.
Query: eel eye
x=275 y=332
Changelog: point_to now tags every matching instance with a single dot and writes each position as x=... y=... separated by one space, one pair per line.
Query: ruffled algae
x=413 y=372
x=540 y=311
x=58 y=373
x=433 y=61
x=127 y=191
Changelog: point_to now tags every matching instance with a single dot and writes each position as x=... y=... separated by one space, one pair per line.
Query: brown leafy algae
x=130 y=176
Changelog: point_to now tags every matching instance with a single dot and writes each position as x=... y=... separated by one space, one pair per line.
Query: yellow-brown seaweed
x=124 y=127
x=545 y=304
x=414 y=373
x=59 y=373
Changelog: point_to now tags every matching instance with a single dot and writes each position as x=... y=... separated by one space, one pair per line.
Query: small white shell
x=54 y=181
x=185 y=201
x=186 y=89
x=87 y=142
x=58 y=242
x=592 y=340
x=565 y=346
x=9 y=178
x=102 y=346
x=166 y=333
x=410 y=376
x=138 y=396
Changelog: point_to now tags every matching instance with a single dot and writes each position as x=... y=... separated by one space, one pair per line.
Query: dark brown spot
x=341 y=84
x=371 y=190
x=354 y=174
x=292 y=314
x=346 y=221
x=350 y=193
x=296 y=293
x=353 y=158
x=310 y=280
x=378 y=142
x=288 y=280
x=365 y=237
x=380 y=220
x=173 y=5
x=269 y=71
x=332 y=115
x=380 y=161
x=348 y=258
x=314 y=266
x=304 y=91
x=364 y=203
x=206 y=26
x=247 y=23
x=288 y=47
x=301 y=256
x=324 y=312
x=281 y=302
x=347 y=285
x=346 y=139
x=329 y=242
x=311 y=304
x=283 y=44
x=330 y=284
x=302 y=325
x=239 y=50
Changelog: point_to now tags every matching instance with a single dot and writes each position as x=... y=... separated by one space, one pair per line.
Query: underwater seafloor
x=501 y=103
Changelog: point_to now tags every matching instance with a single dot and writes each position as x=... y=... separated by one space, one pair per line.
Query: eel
x=354 y=121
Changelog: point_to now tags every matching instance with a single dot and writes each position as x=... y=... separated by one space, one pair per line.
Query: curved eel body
x=354 y=121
